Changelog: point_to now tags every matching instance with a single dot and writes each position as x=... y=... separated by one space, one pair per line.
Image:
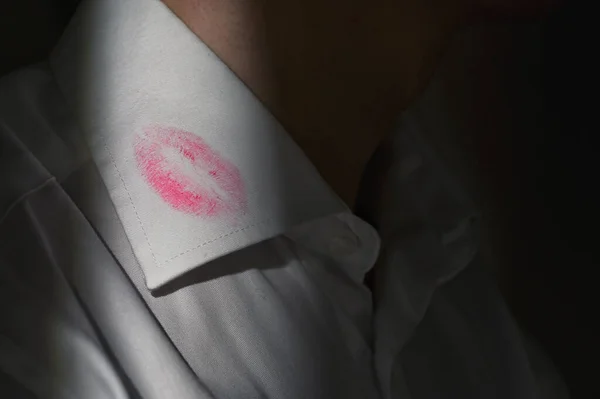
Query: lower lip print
x=187 y=174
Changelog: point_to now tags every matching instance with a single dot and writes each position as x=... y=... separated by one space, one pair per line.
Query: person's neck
x=329 y=74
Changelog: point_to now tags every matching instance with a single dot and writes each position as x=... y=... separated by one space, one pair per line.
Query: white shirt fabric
x=216 y=262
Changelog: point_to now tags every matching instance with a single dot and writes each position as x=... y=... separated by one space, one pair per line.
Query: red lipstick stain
x=187 y=174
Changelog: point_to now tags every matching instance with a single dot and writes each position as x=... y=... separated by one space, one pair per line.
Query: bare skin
x=336 y=74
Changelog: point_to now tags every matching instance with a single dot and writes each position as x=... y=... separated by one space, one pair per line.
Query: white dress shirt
x=161 y=236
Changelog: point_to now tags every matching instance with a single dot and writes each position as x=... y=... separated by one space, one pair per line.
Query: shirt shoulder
x=37 y=139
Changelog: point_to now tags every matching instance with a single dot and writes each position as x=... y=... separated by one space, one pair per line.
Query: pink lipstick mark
x=187 y=174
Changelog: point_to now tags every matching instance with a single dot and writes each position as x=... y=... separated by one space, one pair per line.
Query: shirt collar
x=196 y=166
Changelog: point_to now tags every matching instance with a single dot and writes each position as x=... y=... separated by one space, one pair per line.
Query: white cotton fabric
x=282 y=313
x=125 y=66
